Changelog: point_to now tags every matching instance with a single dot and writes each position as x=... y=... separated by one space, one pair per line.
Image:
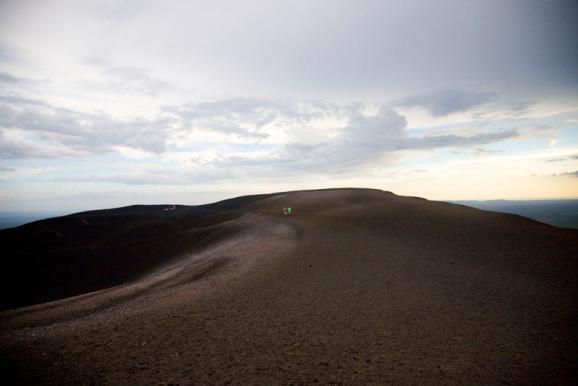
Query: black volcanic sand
x=356 y=287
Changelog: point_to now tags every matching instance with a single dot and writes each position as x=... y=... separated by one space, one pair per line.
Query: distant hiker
x=289 y=210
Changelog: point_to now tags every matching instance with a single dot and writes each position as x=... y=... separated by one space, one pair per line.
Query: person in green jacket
x=289 y=210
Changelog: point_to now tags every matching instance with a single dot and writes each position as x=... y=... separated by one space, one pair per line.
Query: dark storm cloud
x=444 y=102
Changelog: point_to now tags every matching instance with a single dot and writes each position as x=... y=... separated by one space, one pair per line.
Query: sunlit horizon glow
x=112 y=103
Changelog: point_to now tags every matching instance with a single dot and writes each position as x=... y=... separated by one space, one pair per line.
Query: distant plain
x=560 y=213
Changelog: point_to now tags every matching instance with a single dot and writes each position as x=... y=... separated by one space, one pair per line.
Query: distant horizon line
x=57 y=212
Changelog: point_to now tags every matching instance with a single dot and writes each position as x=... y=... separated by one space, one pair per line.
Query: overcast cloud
x=169 y=93
x=445 y=102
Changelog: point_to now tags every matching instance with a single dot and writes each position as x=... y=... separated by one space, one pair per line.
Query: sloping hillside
x=357 y=286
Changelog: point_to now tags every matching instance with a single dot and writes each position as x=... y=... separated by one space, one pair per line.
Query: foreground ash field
x=357 y=286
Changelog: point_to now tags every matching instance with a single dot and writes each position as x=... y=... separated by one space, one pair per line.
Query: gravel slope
x=356 y=287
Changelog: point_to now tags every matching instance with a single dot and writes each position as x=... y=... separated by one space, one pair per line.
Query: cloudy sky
x=111 y=103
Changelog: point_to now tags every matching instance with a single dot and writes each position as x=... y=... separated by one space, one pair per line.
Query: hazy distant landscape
x=14 y=219
x=561 y=213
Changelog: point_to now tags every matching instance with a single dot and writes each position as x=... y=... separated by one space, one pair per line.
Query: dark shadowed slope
x=70 y=255
x=66 y=256
x=357 y=287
